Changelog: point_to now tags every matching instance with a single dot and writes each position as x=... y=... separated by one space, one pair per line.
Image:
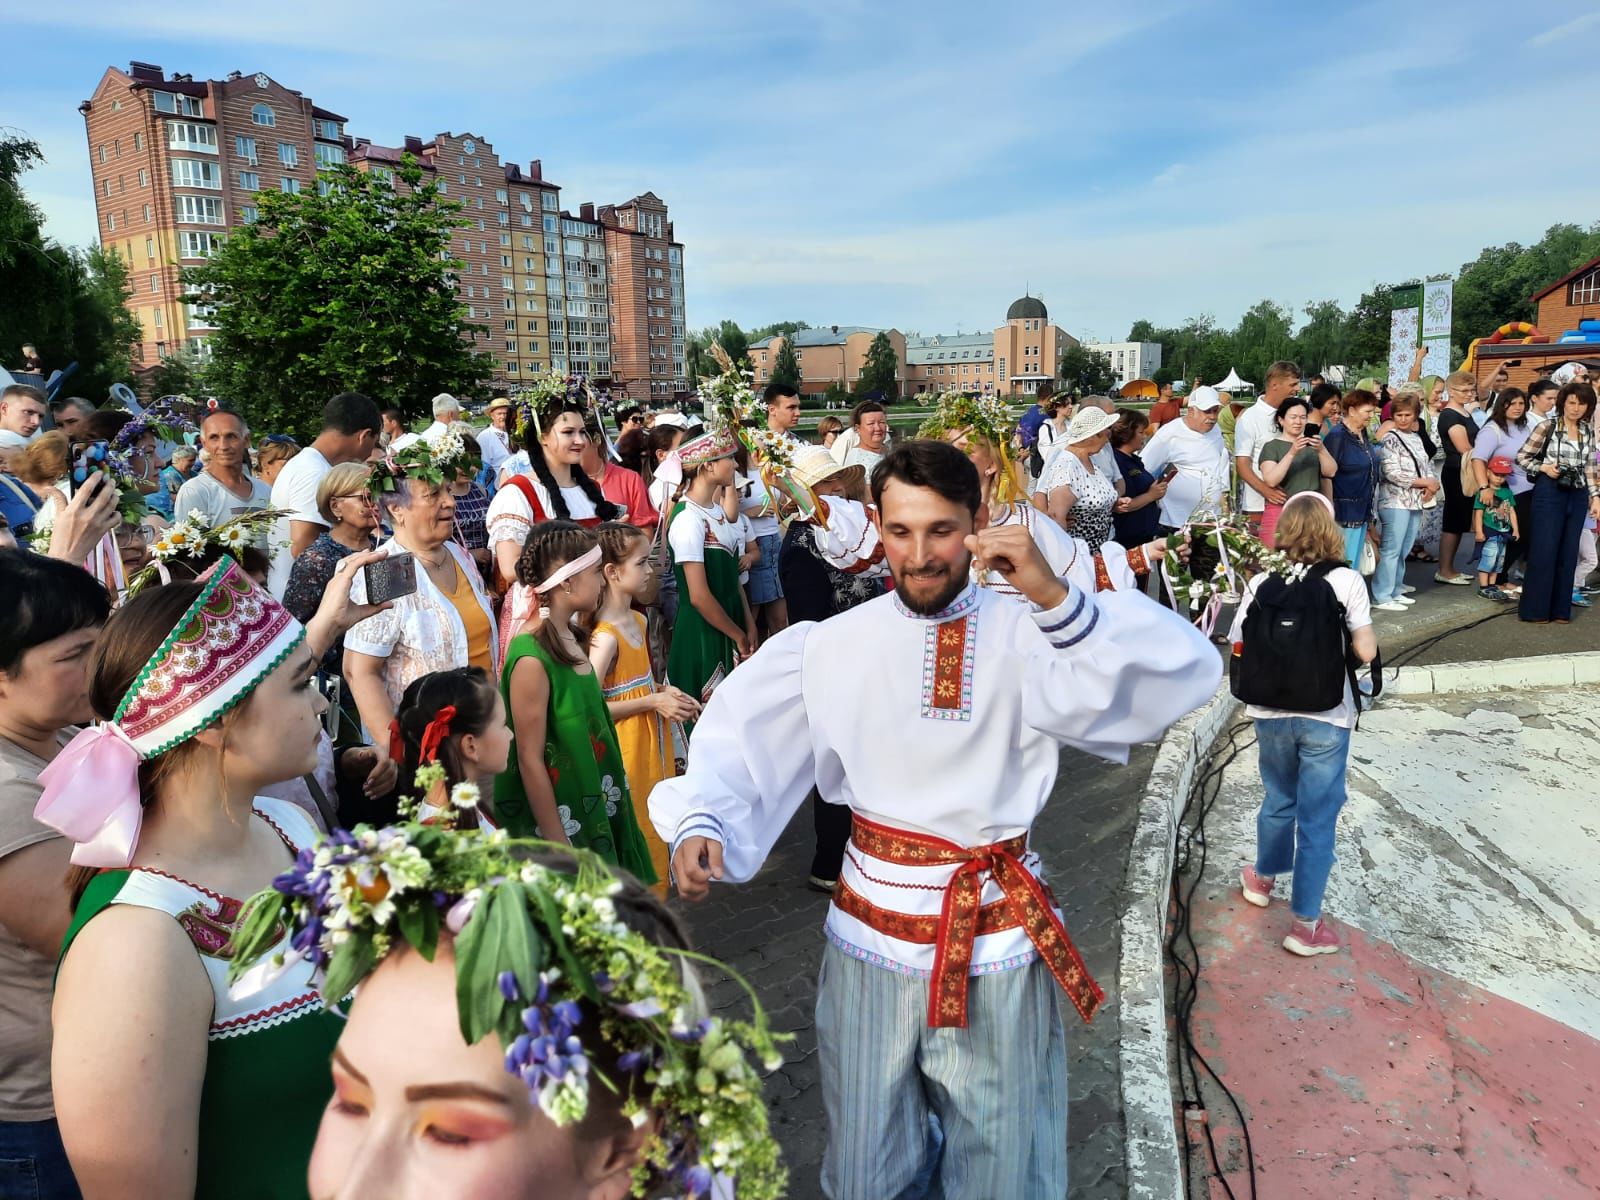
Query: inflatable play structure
x=1522 y=333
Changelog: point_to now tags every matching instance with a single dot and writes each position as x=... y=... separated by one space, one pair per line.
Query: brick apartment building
x=177 y=162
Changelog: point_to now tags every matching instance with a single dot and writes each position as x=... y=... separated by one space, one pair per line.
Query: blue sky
x=918 y=165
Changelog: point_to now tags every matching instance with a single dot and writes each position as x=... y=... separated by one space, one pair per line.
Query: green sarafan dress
x=585 y=765
x=701 y=656
x=267 y=1076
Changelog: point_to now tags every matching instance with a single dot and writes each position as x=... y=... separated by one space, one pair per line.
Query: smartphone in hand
x=1169 y=474
x=91 y=457
x=390 y=578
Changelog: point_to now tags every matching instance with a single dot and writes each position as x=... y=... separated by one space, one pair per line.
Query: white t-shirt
x=755 y=505
x=216 y=503
x=1253 y=430
x=687 y=534
x=1351 y=590
x=295 y=492
x=1203 y=469
x=744 y=533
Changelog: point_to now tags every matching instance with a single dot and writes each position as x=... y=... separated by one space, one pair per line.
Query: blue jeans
x=1352 y=545
x=1558 y=517
x=1302 y=772
x=33 y=1164
x=1400 y=527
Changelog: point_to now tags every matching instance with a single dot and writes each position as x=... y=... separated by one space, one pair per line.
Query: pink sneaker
x=1257 y=888
x=1306 y=939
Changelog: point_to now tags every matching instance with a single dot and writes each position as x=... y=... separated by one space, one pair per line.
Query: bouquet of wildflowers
x=1241 y=554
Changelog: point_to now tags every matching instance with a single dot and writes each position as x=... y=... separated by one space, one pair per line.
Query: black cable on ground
x=1181 y=948
x=1184 y=954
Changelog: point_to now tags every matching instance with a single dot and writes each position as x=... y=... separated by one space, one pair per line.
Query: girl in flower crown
x=165 y=1085
x=543 y=481
x=556 y=1042
x=456 y=720
x=566 y=782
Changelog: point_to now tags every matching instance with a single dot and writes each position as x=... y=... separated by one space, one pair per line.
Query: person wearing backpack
x=1296 y=642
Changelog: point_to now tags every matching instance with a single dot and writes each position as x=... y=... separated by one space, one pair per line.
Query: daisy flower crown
x=437 y=464
x=194 y=538
x=986 y=417
x=578 y=998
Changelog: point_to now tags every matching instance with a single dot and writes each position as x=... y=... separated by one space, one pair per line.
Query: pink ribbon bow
x=670 y=469
x=91 y=794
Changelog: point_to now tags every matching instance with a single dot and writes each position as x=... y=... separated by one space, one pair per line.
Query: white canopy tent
x=1234 y=384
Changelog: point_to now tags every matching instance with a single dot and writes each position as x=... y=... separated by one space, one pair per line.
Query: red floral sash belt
x=1027 y=904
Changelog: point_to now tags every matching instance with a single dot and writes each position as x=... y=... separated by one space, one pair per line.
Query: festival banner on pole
x=1421 y=316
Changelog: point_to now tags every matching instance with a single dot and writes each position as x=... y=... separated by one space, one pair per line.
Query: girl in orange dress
x=641 y=709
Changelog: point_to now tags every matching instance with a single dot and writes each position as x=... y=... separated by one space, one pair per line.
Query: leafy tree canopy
x=350 y=287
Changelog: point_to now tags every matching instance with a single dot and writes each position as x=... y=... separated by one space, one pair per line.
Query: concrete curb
x=1154 y=1170
x=1555 y=670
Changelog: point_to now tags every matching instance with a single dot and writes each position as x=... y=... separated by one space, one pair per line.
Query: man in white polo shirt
x=1253 y=431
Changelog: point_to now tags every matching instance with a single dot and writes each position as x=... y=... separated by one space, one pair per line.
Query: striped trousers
x=941 y=1114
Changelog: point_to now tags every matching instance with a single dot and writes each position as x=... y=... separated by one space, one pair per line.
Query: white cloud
x=1170 y=176
x=1562 y=32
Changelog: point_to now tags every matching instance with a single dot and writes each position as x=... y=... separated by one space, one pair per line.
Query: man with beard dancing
x=938 y=992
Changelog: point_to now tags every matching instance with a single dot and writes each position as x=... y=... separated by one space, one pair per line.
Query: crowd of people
x=645 y=639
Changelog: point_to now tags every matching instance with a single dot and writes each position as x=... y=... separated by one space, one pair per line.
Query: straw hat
x=497 y=403
x=1088 y=423
x=813 y=464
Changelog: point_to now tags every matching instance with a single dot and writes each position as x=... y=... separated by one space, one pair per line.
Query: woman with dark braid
x=544 y=482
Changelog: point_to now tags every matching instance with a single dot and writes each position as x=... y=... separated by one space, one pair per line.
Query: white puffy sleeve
x=509 y=518
x=1104 y=672
x=850 y=541
x=750 y=760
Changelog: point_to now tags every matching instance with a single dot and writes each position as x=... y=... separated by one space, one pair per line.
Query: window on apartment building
x=507 y=283
x=503 y=218
x=138 y=141
x=155 y=283
x=324 y=187
x=197 y=173
x=105 y=188
x=249 y=181
x=262 y=114
x=1585 y=290
x=502 y=196
x=528 y=305
x=511 y=347
x=157 y=312
x=197 y=245
x=145 y=212
x=328 y=156
x=249 y=214
x=533 y=327
x=100 y=153
x=511 y=368
x=511 y=305
x=484 y=268
x=289 y=184
x=198 y=210
x=288 y=155
x=144 y=178
x=505 y=241
x=245 y=148
x=111 y=221
x=331 y=130
x=511 y=324
x=185 y=135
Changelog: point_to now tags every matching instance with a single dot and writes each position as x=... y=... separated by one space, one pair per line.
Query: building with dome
x=1013 y=360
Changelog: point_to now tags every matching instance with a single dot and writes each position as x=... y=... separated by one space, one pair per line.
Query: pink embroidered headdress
x=228 y=641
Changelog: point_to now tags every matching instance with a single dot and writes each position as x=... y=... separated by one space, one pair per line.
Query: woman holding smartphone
x=1136 y=516
x=1294 y=461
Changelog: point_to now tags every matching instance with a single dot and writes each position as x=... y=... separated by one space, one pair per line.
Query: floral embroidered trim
x=1138 y=561
x=1102 y=574
x=947 y=662
x=921 y=929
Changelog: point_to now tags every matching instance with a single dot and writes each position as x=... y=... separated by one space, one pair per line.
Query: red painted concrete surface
x=1366 y=1074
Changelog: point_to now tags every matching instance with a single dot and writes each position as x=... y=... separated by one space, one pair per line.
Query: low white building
x=1131 y=360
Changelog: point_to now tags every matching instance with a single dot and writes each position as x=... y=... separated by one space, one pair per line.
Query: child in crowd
x=620 y=655
x=1492 y=526
x=715 y=627
x=565 y=781
x=457 y=719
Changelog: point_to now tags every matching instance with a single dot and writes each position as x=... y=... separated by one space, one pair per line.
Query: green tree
x=1086 y=372
x=69 y=303
x=783 y=327
x=176 y=375
x=1321 y=341
x=836 y=395
x=734 y=341
x=1494 y=287
x=349 y=290
x=786 y=367
x=1264 y=336
x=880 y=374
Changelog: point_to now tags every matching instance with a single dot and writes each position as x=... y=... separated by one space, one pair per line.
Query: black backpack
x=1296 y=653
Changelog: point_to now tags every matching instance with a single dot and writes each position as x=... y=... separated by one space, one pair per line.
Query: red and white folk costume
x=946 y=750
x=521 y=503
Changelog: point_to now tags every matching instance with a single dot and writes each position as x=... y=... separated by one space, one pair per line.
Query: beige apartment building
x=177 y=162
x=1012 y=361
